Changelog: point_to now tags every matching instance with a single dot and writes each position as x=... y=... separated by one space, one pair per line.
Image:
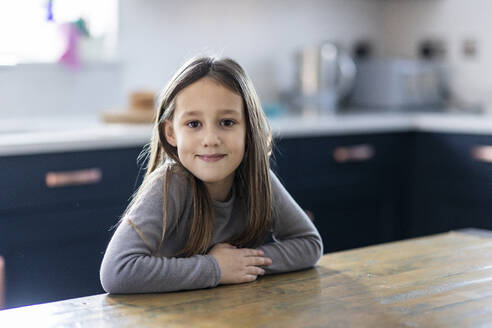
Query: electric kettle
x=324 y=75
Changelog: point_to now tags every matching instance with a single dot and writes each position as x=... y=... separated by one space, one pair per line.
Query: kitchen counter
x=440 y=281
x=84 y=133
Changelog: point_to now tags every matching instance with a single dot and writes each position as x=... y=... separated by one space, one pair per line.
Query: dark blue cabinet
x=362 y=189
x=53 y=237
x=452 y=184
x=414 y=184
x=54 y=256
x=352 y=184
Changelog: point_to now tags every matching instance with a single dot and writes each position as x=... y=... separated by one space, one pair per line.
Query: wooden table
x=438 y=281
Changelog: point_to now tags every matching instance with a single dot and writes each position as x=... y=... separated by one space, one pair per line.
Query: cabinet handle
x=482 y=153
x=355 y=153
x=73 y=178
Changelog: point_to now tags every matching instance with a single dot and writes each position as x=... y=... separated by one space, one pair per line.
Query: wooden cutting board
x=131 y=116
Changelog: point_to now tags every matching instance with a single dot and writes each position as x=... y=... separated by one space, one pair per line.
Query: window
x=34 y=30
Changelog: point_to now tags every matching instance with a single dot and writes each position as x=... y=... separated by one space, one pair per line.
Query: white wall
x=406 y=22
x=157 y=36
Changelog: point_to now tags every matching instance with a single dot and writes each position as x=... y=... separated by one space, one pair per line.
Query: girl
x=209 y=211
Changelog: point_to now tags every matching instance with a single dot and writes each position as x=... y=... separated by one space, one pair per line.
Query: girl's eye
x=227 y=123
x=193 y=124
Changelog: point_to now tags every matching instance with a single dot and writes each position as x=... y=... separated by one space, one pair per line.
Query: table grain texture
x=443 y=280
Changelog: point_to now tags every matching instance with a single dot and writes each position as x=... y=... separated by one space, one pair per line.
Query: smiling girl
x=209 y=211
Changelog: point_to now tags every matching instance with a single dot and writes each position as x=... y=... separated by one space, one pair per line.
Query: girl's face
x=209 y=131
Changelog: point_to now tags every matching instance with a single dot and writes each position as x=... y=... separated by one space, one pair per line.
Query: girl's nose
x=211 y=138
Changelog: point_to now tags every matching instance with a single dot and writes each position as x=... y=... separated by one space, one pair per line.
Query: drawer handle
x=356 y=153
x=73 y=178
x=482 y=153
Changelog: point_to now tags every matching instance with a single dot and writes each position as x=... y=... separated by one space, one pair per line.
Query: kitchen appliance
x=400 y=84
x=325 y=74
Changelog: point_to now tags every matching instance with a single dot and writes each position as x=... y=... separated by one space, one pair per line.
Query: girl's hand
x=239 y=265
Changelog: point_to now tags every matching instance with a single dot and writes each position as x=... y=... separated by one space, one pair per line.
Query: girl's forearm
x=292 y=254
x=140 y=273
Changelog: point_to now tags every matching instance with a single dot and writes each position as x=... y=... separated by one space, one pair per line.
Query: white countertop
x=21 y=136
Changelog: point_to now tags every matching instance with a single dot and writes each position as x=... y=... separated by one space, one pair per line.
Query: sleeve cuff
x=216 y=270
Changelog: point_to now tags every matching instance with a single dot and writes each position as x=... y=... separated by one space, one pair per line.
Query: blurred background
x=99 y=52
x=384 y=106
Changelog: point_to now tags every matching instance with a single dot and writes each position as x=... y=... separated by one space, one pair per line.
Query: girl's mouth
x=211 y=157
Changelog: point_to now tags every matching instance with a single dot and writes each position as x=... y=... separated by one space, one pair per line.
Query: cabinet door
x=350 y=184
x=452 y=184
x=54 y=256
x=58 y=179
x=55 y=214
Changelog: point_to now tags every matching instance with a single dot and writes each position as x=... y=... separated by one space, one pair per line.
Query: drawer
x=74 y=177
x=340 y=159
x=456 y=155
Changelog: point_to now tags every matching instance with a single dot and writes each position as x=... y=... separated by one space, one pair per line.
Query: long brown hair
x=252 y=180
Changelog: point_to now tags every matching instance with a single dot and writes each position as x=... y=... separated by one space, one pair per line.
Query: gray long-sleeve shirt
x=134 y=262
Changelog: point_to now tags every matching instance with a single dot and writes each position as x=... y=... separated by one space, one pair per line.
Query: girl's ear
x=169 y=133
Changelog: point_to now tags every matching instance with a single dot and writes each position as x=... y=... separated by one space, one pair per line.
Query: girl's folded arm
x=130 y=264
x=297 y=243
x=292 y=254
x=133 y=269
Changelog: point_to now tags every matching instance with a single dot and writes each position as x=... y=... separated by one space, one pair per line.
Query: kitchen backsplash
x=41 y=90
